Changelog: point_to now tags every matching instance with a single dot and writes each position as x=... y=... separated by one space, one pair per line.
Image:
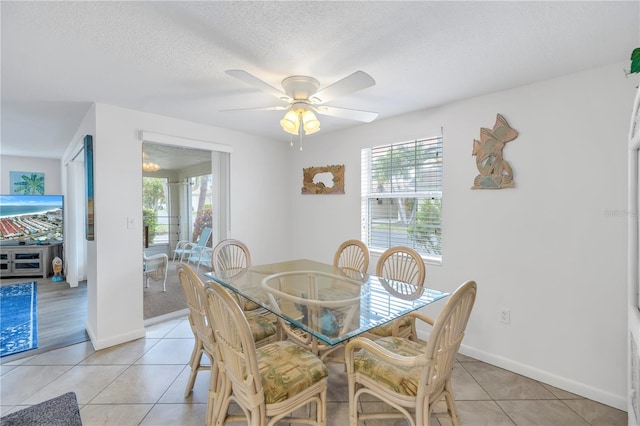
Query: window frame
x=424 y=172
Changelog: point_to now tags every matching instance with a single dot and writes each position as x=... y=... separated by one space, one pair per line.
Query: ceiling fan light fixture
x=311 y=124
x=148 y=166
x=290 y=123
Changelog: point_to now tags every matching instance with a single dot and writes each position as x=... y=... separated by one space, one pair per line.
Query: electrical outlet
x=504 y=316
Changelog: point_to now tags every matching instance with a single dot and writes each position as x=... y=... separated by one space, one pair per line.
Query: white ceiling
x=169 y=58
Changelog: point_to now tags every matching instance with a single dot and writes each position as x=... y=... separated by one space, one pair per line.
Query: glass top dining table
x=330 y=303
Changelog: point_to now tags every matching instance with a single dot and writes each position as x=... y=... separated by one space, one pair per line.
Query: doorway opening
x=178 y=204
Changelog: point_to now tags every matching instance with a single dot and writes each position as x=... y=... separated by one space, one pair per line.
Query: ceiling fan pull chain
x=300 y=138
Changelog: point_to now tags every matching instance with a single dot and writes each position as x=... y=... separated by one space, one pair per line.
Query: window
x=200 y=204
x=402 y=196
x=154 y=210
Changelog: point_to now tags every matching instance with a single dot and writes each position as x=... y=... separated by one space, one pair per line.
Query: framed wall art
x=88 y=184
x=26 y=183
x=323 y=180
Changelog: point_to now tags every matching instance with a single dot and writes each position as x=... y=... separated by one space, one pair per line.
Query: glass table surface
x=330 y=303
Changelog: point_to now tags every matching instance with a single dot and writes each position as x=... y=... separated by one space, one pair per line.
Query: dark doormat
x=60 y=411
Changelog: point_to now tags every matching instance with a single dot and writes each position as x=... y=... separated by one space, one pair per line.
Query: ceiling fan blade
x=269 y=108
x=254 y=81
x=350 y=114
x=357 y=81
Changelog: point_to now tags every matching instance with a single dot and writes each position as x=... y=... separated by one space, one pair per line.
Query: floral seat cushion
x=287 y=369
x=250 y=305
x=261 y=328
x=399 y=380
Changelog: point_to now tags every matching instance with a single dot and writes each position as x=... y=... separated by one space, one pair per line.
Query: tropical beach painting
x=26 y=183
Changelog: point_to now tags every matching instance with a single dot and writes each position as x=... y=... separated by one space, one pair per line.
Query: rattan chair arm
x=381 y=353
x=421 y=317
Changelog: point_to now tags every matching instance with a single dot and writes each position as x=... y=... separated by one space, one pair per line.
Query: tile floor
x=142 y=383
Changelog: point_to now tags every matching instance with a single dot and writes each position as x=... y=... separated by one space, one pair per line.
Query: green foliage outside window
x=149 y=218
x=427 y=228
x=152 y=193
x=635 y=60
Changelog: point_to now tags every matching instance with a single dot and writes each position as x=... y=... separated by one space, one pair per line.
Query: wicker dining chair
x=263 y=331
x=352 y=255
x=409 y=376
x=268 y=383
x=231 y=254
x=403 y=264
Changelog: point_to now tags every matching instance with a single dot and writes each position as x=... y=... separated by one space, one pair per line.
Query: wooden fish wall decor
x=495 y=172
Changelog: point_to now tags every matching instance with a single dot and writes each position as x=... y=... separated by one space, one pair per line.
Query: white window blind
x=402 y=196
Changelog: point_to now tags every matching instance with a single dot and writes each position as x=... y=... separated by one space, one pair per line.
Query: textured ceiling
x=169 y=58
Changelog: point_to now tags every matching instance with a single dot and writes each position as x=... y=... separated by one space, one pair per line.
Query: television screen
x=31 y=219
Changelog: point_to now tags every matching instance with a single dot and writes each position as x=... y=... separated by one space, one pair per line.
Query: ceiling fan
x=301 y=98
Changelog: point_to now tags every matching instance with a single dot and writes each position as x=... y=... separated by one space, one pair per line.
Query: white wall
x=258 y=176
x=50 y=168
x=552 y=249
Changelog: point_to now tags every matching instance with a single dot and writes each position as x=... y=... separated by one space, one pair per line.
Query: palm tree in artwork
x=32 y=184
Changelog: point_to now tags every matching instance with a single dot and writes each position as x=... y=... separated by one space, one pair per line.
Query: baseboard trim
x=113 y=340
x=607 y=398
x=166 y=317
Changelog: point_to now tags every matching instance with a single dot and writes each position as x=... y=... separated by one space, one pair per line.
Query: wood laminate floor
x=62 y=314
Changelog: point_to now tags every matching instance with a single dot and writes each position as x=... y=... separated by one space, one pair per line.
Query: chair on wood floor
x=155 y=268
x=406 y=265
x=262 y=330
x=410 y=376
x=268 y=383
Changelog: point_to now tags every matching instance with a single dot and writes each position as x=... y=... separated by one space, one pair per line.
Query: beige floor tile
x=337 y=414
x=463 y=358
x=541 y=413
x=465 y=386
x=502 y=384
x=338 y=388
x=139 y=384
x=85 y=380
x=126 y=353
x=371 y=407
x=175 y=392
x=114 y=415
x=23 y=381
x=68 y=355
x=598 y=414
x=561 y=394
x=181 y=331
x=479 y=413
x=168 y=351
x=160 y=330
x=143 y=382
x=176 y=414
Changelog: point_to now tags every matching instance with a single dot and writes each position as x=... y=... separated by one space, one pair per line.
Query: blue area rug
x=18 y=318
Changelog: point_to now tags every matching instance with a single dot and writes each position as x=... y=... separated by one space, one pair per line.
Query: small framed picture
x=26 y=183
